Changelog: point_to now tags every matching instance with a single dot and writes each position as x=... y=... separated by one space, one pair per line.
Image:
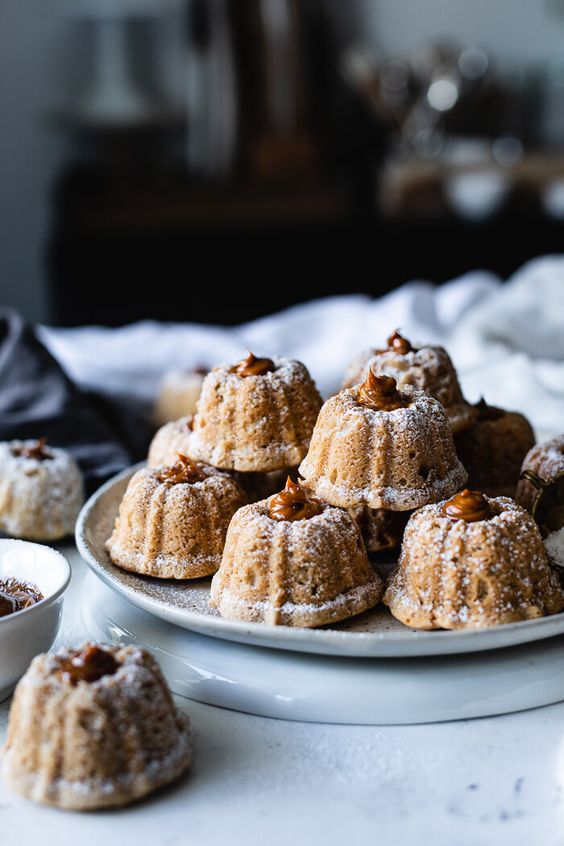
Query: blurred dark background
x=215 y=160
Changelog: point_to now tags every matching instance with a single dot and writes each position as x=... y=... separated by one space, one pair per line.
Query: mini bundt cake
x=41 y=490
x=382 y=530
x=255 y=416
x=293 y=560
x=493 y=448
x=178 y=394
x=427 y=368
x=169 y=440
x=173 y=520
x=383 y=447
x=544 y=460
x=469 y=562
x=94 y=727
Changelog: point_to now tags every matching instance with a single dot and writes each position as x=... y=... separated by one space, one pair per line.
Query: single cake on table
x=469 y=562
x=41 y=490
x=428 y=368
x=296 y=561
x=94 y=727
x=173 y=520
x=493 y=448
x=255 y=416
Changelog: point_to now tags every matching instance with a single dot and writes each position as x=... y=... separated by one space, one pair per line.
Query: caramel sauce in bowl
x=46 y=574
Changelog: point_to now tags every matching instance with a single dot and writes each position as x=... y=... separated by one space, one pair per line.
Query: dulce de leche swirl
x=293 y=503
x=89 y=665
x=467 y=505
x=184 y=471
x=253 y=366
x=36 y=450
x=380 y=393
x=399 y=344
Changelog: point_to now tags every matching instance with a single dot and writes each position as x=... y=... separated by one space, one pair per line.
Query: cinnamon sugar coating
x=492 y=449
x=169 y=440
x=94 y=744
x=397 y=460
x=174 y=531
x=546 y=460
x=453 y=574
x=256 y=423
x=429 y=369
x=41 y=491
x=294 y=572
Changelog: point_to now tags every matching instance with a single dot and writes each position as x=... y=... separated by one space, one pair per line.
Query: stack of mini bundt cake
x=281 y=497
x=382 y=450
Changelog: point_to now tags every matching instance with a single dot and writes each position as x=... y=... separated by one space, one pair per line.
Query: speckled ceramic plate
x=372 y=634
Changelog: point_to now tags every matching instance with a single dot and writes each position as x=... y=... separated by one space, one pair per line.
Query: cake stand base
x=317 y=688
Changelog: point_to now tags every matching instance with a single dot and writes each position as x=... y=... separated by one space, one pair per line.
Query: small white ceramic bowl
x=26 y=633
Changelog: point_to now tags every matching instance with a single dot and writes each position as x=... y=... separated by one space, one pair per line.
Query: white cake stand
x=322 y=688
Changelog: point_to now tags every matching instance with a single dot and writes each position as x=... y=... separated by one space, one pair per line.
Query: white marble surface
x=261 y=781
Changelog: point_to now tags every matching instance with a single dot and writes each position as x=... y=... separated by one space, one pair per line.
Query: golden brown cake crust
x=39 y=500
x=546 y=460
x=429 y=369
x=396 y=460
x=493 y=448
x=453 y=574
x=256 y=423
x=295 y=573
x=94 y=744
x=174 y=531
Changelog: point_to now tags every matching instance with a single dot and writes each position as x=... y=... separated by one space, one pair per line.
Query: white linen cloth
x=506 y=339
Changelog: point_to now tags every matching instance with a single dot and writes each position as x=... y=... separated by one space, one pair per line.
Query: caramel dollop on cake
x=468 y=505
x=293 y=503
x=399 y=344
x=380 y=393
x=253 y=366
x=89 y=665
x=184 y=472
x=36 y=450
